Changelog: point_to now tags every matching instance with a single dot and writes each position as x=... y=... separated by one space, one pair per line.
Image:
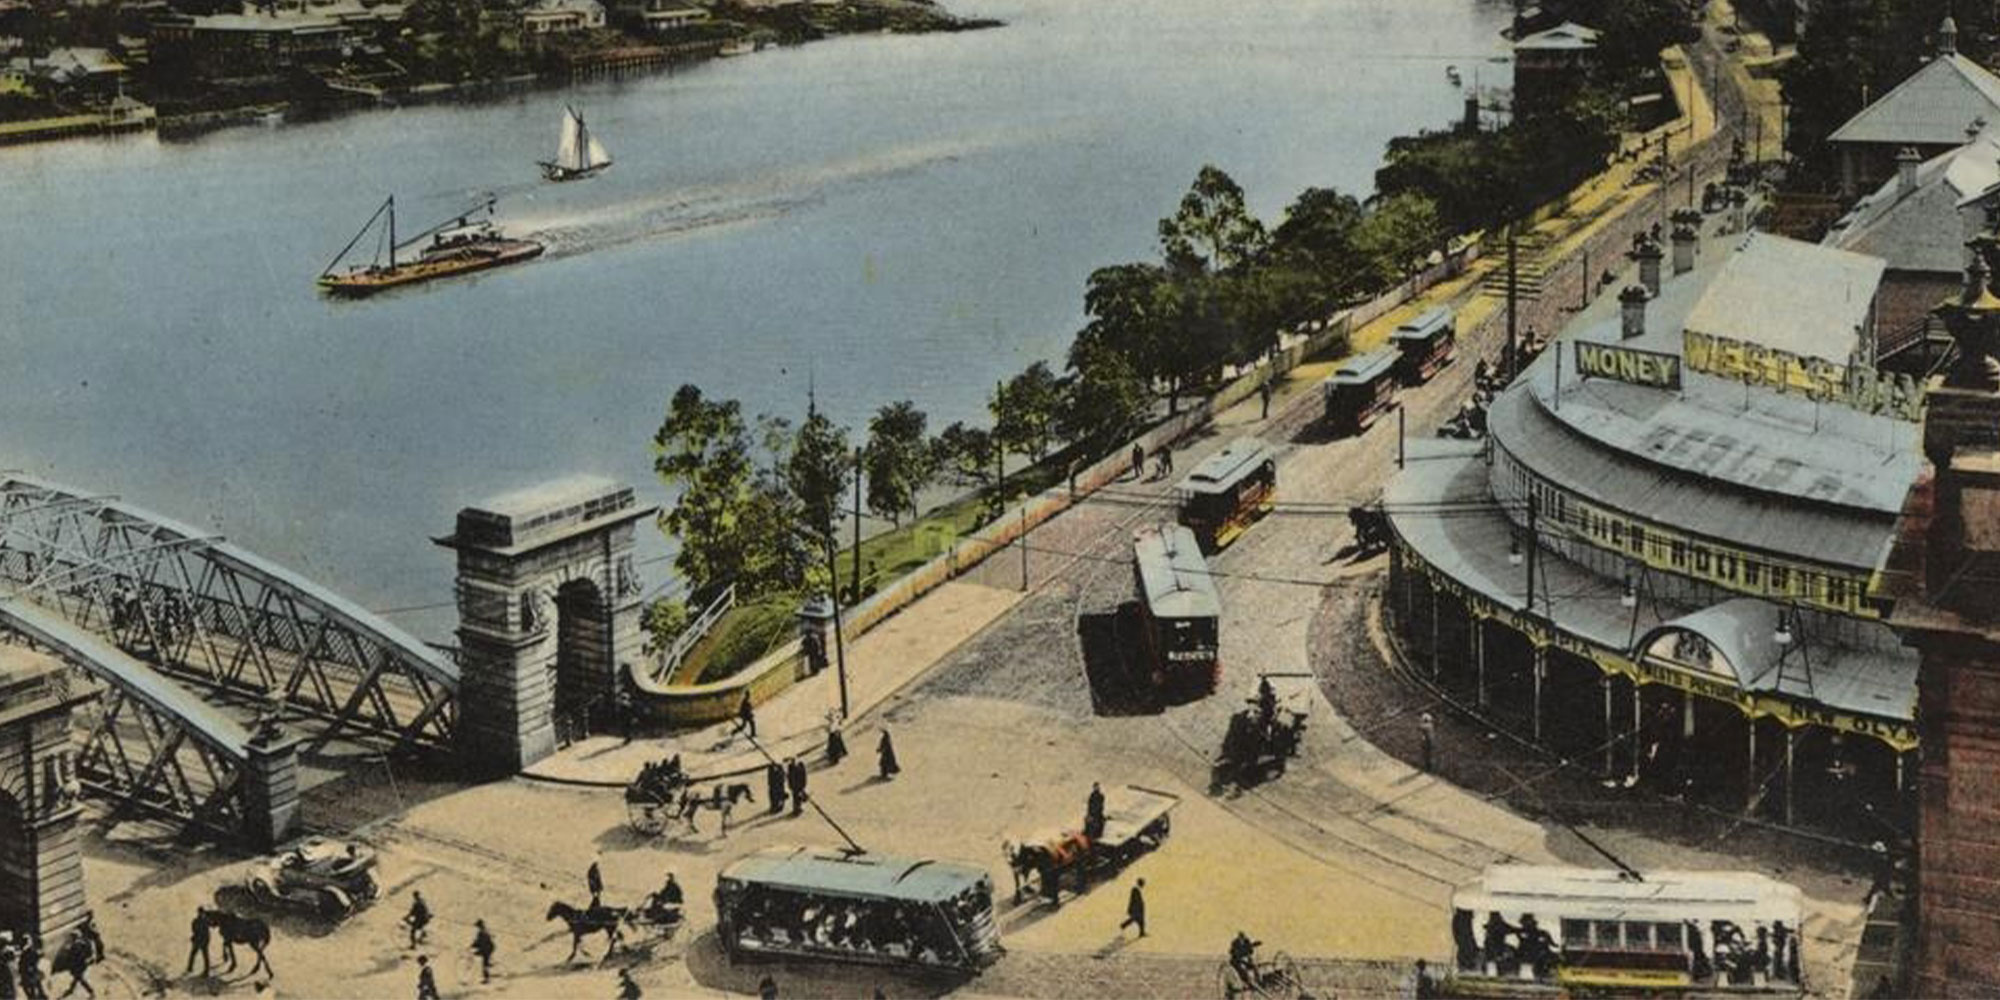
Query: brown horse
x=605 y=920
x=236 y=930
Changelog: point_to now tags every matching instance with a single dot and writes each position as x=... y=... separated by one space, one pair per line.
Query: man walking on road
x=1264 y=394
x=482 y=945
x=795 y=778
x=427 y=983
x=198 y=932
x=418 y=918
x=746 y=718
x=594 y=881
x=1427 y=727
x=1093 y=813
x=1135 y=909
x=885 y=758
x=1138 y=460
x=774 y=787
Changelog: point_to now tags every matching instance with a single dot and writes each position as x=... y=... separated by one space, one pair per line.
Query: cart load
x=1136 y=821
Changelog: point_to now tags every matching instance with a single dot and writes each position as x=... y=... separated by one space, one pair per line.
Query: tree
x=967 y=454
x=1104 y=399
x=1837 y=63
x=1214 y=230
x=1317 y=236
x=1399 y=233
x=1024 y=411
x=898 y=460
x=817 y=472
x=723 y=503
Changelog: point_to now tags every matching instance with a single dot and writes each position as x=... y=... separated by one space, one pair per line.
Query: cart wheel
x=333 y=904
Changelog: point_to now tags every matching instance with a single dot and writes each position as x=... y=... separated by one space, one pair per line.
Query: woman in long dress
x=885 y=752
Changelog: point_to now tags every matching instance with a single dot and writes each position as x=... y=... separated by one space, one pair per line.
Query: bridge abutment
x=41 y=853
x=548 y=610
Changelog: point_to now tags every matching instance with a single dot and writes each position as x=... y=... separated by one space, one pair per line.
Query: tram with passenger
x=1228 y=492
x=824 y=903
x=1425 y=345
x=1360 y=390
x=1180 y=611
x=1606 y=930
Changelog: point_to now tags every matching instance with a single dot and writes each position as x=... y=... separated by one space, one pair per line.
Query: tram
x=1225 y=494
x=1425 y=344
x=1605 y=930
x=823 y=903
x=1361 y=390
x=1180 y=611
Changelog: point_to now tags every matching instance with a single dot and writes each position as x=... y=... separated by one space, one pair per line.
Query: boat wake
x=749 y=201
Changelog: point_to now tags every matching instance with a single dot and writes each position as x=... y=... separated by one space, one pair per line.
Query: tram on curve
x=882 y=909
x=1361 y=390
x=1610 y=931
x=1228 y=492
x=1180 y=612
x=1425 y=345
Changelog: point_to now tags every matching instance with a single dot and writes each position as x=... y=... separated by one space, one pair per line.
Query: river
x=880 y=217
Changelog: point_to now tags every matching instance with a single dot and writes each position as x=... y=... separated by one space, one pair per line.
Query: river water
x=886 y=217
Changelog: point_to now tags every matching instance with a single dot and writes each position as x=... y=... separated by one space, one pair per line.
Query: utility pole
x=1513 y=295
x=857 y=522
x=839 y=643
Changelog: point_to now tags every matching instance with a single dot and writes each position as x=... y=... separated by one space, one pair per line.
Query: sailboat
x=578 y=153
x=458 y=245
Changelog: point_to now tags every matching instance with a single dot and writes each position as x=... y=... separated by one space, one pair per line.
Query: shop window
x=1781 y=579
x=1618 y=533
x=1678 y=553
x=1639 y=539
x=1751 y=572
x=1836 y=590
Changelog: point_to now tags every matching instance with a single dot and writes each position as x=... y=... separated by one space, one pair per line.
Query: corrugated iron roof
x=1933 y=107
x=1811 y=300
x=827 y=870
x=1173 y=573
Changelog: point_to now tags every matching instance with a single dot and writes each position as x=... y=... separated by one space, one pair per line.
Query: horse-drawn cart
x=654 y=797
x=1264 y=737
x=1136 y=820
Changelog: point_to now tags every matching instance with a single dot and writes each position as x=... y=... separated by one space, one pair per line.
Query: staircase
x=1531 y=268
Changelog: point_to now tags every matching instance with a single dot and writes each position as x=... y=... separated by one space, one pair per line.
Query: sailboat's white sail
x=598 y=157
x=569 y=149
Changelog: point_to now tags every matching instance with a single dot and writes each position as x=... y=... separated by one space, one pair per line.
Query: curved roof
x=1173 y=573
x=1223 y=469
x=828 y=870
x=1872 y=676
x=1607 y=894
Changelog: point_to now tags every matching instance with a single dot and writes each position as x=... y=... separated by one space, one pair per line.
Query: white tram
x=1606 y=930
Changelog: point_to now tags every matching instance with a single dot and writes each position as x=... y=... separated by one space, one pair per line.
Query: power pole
x=1513 y=295
x=857 y=522
x=839 y=643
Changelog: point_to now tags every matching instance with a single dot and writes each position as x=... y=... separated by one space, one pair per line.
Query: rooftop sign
x=1628 y=364
x=1856 y=384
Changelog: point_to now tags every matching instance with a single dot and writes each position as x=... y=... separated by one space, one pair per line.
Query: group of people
x=897 y=929
x=1163 y=462
x=21 y=957
x=787 y=781
x=1729 y=955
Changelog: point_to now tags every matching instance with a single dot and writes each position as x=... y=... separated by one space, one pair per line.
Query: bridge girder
x=206 y=613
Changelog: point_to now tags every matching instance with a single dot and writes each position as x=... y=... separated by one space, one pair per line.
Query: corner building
x=1658 y=562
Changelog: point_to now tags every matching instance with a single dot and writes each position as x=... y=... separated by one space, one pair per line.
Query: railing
x=670 y=660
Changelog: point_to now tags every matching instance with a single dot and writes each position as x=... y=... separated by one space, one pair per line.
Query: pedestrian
x=482 y=946
x=885 y=756
x=836 y=744
x=418 y=918
x=1166 y=461
x=198 y=935
x=1135 y=909
x=621 y=699
x=628 y=988
x=795 y=780
x=6 y=967
x=427 y=982
x=1138 y=460
x=74 y=959
x=774 y=786
x=593 y=880
x=746 y=717
x=91 y=938
x=1093 y=813
x=1427 y=728
x=1426 y=987
x=767 y=988
x=1264 y=394
x=30 y=964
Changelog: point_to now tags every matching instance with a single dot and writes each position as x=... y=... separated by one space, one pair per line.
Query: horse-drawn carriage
x=1262 y=738
x=1136 y=820
x=1371 y=528
x=654 y=797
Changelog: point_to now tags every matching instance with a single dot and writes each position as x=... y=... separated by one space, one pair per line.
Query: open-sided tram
x=824 y=903
x=1604 y=930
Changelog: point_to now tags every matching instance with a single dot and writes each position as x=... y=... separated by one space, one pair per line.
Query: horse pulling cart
x=1264 y=737
x=1136 y=821
x=654 y=797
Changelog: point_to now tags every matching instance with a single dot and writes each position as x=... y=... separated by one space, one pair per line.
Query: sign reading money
x=1627 y=364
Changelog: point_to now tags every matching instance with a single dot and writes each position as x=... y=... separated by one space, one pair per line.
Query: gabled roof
x=1568 y=35
x=1922 y=228
x=1933 y=107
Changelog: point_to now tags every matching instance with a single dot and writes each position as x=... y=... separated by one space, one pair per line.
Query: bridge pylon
x=41 y=855
x=549 y=612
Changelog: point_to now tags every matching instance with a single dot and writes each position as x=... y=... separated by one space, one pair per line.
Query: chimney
x=1632 y=306
x=1684 y=244
x=1907 y=159
x=1648 y=255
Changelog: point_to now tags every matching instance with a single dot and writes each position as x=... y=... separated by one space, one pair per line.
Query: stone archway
x=41 y=857
x=548 y=615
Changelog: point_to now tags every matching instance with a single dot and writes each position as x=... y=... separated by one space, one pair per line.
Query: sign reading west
x=1627 y=364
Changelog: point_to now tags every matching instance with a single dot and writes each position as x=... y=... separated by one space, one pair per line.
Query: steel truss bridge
x=189 y=634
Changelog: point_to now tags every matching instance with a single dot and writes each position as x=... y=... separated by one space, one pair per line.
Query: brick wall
x=1959 y=870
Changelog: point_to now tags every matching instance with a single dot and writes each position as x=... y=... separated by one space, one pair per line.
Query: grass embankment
x=754 y=628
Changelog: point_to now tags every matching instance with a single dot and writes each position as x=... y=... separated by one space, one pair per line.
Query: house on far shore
x=561 y=17
x=84 y=72
x=1937 y=109
x=1919 y=222
x=660 y=16
x=1549 y=65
